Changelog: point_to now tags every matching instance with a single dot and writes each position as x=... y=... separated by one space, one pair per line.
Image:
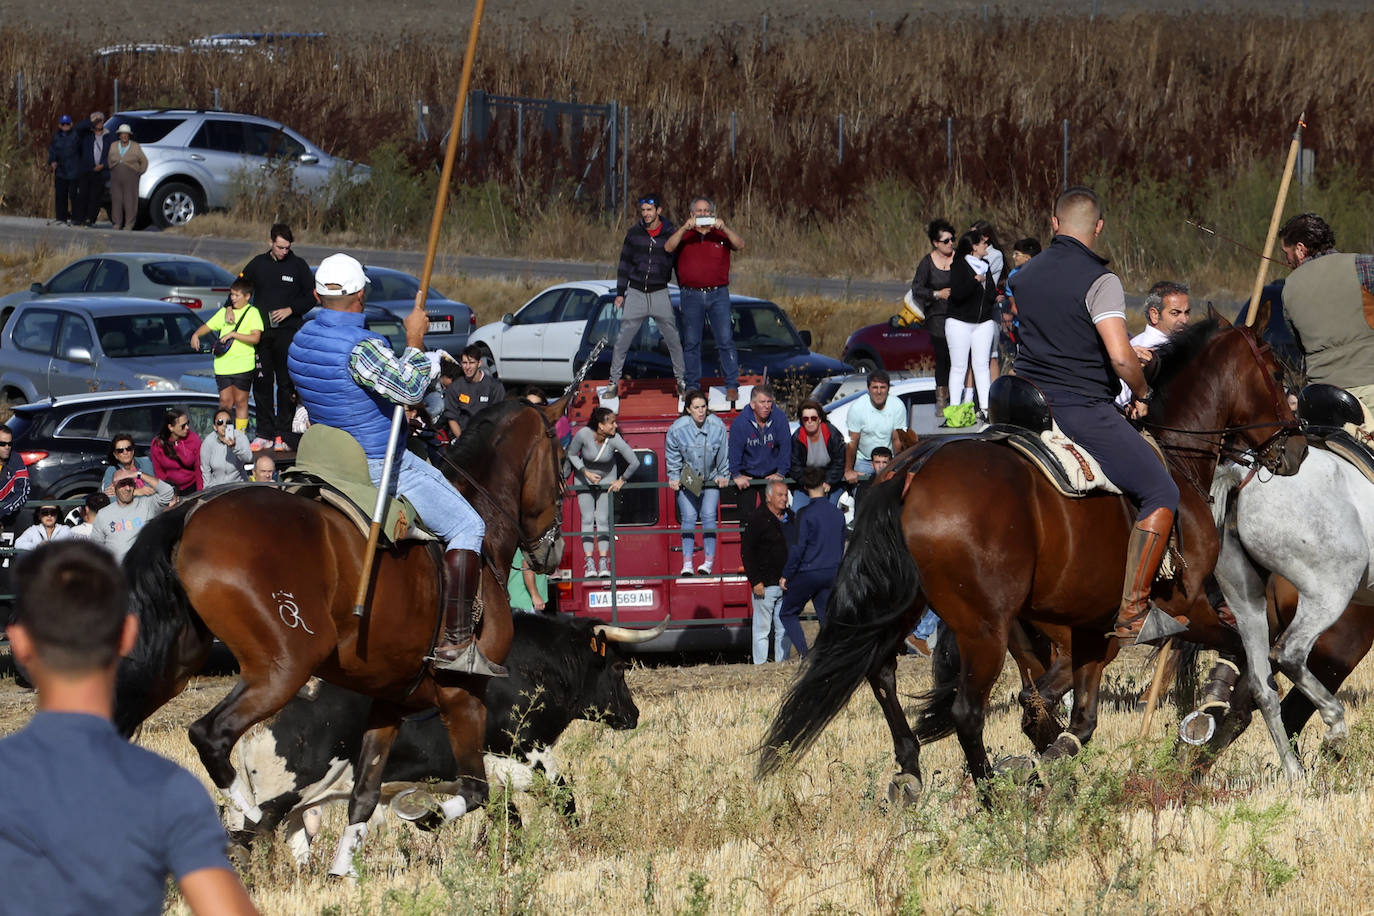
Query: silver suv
x=195 y=158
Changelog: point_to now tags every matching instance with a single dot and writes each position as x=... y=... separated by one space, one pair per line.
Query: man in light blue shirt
x=872 y=421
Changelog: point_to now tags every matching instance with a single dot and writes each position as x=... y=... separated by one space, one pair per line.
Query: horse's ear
x=1218 y=317
x=558 y=408
x=1261 y=322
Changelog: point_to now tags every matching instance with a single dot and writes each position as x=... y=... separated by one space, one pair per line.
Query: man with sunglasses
x=641 y=290
x=117 y=525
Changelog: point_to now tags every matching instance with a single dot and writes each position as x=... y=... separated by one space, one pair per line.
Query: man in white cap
x=348 y=377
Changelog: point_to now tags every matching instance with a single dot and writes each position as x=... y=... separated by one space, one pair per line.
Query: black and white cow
x=561 y=669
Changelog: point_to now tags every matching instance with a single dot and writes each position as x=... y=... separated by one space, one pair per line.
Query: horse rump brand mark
x=290 y=612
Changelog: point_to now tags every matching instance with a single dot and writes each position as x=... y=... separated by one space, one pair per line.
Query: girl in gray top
x=224 y=454
x=592 y=454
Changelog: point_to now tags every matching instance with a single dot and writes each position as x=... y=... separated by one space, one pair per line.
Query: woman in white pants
x=972 y=323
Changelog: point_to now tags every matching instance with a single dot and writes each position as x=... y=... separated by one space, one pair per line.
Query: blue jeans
x=765 y=618
x=442 y=508
x=693 y=509
x=863 y=465
x=800 y=500
x=698 y=306
x=926 y=625
x=808 y=585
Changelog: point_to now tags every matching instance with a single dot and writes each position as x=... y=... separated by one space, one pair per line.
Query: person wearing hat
x=93 y=141
x=45 y=528
x=127 y=163
x=348 y=377
x=118 y=524
x=64 y=159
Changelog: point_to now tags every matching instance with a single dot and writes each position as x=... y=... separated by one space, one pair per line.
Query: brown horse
x=273 y=576
x=980 y=535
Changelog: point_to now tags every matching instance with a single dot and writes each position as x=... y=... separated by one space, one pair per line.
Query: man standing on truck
x=283 y=291
x=641 y=290
x=702 y=246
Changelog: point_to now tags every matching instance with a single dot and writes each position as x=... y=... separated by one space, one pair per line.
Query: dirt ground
x=440 y=20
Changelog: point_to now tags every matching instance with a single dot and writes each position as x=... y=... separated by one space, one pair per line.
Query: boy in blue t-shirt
x=88 y=822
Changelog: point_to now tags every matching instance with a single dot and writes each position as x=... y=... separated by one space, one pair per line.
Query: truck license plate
x=639 y=597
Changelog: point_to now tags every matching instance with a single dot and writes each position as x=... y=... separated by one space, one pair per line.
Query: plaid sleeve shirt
x=402 y=379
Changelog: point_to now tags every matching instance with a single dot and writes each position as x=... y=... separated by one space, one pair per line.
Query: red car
x=896 y=349
x=708 y=613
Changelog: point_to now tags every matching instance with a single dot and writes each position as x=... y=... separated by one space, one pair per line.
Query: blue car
x=765 y=339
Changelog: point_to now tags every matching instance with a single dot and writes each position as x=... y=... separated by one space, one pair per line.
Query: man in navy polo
x=702 y=245
x=1074 y=346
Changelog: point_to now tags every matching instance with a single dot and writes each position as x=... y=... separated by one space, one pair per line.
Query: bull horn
x=627 y=635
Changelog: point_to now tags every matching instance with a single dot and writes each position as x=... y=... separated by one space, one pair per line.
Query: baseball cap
x=339 y=275
x=124 y=474
x=65 y=119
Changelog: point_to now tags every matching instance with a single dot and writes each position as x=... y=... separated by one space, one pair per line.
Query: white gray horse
x=1315 y=528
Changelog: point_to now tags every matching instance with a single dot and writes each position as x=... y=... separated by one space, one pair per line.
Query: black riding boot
x=458 y=651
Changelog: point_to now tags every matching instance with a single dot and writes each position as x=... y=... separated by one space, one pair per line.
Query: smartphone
x=706 y=221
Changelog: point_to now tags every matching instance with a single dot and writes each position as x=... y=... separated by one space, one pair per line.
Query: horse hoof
x=905 y=789
x=1197 y=728
x=1019 y=769
x=1066 y=745
x=1334 y=749
x=415 y=805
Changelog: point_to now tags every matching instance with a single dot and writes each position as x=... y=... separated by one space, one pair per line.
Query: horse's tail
x=935 y=720
x=865 y=621
x=163 y=609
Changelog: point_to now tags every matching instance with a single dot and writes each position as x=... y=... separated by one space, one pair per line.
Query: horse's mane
x=475 y=442
x=1180 y=350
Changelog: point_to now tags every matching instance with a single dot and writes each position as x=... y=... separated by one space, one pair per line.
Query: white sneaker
x=704 y=569
x=609 y=392
x=686 y=568
x=259 y=444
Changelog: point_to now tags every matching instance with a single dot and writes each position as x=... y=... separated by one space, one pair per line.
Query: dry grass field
x=672 y=820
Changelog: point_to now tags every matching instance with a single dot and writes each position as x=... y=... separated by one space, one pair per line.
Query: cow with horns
x=561 y=669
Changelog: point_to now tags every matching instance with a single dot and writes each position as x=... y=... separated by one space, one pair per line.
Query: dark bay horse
x=273 y=576
x=980 y=535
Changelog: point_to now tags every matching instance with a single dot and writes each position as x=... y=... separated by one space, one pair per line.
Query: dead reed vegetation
x=1180 y=115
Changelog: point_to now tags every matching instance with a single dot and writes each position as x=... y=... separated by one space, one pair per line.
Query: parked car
x=54 y=347
x=65 y=442
x=896 y=349
x=537 y=343
x=195 y=158
x=767 y=344
x=193 y=282
x=450 y=323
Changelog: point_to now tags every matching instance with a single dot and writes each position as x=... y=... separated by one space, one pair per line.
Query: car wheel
x=488 y=362
x=864 y=364
x=175 y=204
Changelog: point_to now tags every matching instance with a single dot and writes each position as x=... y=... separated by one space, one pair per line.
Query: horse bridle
x=531 y=547
x=1253 y=457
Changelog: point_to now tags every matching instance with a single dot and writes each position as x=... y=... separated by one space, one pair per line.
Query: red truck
x=705 y=613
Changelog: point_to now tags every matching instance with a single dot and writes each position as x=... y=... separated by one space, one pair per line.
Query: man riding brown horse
x=349 y=378
x=1075 y=347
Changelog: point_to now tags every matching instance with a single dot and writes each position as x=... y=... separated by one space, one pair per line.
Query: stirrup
x=467 y=659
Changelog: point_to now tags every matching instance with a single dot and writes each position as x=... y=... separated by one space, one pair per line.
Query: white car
x=537 y=344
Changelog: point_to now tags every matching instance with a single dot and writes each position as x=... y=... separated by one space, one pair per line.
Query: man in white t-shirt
x=1167 y=311
x=872 y=421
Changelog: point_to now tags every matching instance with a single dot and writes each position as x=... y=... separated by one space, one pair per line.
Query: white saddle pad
x=1081 y=467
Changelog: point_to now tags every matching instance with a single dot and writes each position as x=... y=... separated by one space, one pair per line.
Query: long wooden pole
x=1156 y=687
x=1274 y=221
x=450 y=153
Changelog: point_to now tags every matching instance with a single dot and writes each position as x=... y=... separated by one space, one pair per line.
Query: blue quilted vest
x=318 y=362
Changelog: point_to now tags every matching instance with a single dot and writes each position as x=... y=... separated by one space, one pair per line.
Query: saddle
x=332 y=468
x=1336 y=420
x=1022 y=419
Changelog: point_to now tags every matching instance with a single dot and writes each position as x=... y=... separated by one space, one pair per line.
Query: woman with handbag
x=697 y=452
x=126 y=163
x=176 y=453
x=930 y=288
x=592 y=455
x=239 y=326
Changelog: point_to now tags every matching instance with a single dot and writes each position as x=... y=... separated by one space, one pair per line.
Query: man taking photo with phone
x=702 y=246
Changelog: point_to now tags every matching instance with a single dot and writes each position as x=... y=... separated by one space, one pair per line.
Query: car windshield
x=392 y=287
x=123 y=336
x=187 y=273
